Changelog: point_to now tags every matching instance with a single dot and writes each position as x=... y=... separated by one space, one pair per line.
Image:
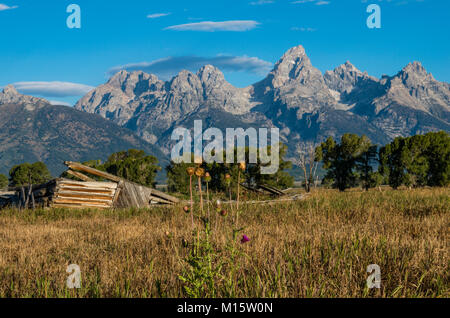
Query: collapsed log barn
x=87 y=193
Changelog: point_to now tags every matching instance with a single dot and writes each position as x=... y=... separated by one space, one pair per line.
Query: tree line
x=421 y=160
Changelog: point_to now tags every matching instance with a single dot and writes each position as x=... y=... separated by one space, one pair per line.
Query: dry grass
x=319 y=247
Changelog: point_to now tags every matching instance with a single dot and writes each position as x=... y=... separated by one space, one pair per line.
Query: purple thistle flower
x=245 y=239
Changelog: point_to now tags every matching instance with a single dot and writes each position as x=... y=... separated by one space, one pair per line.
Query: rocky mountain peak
x=346 y=77
x=132 y=83
x=11 y=96
x=210 y=73
x=10 y=90
x=415 y=68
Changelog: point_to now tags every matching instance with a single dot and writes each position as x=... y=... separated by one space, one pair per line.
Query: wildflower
x=223 y=213
x=245 y=239
x=242 y=165
x=186 y=209
x=207 y=177
x=190 y=171
x=200 y=172
x=227 y=179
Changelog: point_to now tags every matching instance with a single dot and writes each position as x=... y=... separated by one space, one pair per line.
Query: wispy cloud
x=211 y=26
x=59 y=103
x=4 y=7
x=168 y=67
x=303 y=29
x=158 y=15
x=53 y=89
x=316 y=2
x=261 y=2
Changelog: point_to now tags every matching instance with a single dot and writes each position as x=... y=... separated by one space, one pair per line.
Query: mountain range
x=138 y=110
x=295 y=96
x=31 y=129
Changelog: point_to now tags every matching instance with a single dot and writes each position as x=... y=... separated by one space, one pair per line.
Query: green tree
x=417 y=161
x=341 y=159
x=23 y=174
x=364 y=164
x=133 y=165
x=178 y=180
x=438 y=154
x=3 y=181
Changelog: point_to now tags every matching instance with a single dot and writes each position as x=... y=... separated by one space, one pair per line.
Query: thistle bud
x=207 y=177
x=200 y=172
x=190 y=171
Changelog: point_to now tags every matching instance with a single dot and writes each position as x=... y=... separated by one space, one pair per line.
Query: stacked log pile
x=88 y=193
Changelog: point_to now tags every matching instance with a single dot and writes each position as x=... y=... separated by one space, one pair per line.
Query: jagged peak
x=296 y=51
x=415 y=67
x=10 y=90
x=210 y=72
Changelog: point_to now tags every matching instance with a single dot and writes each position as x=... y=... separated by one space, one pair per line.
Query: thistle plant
x=242 y=167
x=200 y=173
x=228 y=183
x=190 y=171
x=208 y=180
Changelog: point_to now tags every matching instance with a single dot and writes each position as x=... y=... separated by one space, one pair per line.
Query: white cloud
x=53 y=89
x=261 y=2
x=211 y=26
x=158 y=15
x=59 y=103
x=4 y=7
x=316 y=2
x=303 y=29
x=170 y=66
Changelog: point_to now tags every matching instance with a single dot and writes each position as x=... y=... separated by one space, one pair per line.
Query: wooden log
x=78 y=206
x=81 y=201
x=79 y=167
x=71 y=183
x=83 y=196
x=79 y=175
x=155 y=192
x=271 y=190
x=87 y=190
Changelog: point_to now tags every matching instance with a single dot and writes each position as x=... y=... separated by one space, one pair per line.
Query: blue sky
x=43 y=57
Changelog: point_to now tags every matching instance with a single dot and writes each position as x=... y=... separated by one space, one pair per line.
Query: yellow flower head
x=190 y=171
x=200 y=172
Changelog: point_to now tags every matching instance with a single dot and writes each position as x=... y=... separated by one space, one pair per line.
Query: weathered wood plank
x=79 y=167
x=79 y=175
x=77 y=206
x=83 y=196
x=79 y=201
x=100 y=185
x=88 y=190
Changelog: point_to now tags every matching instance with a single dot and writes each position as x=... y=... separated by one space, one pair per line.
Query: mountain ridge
x=295 y=96
x=31 y=129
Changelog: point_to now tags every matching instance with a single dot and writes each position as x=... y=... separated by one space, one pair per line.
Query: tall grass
x=318 y=247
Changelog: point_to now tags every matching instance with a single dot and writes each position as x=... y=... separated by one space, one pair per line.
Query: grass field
x=317 y=247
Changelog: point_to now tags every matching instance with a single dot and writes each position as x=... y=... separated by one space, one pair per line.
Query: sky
x=41 y=56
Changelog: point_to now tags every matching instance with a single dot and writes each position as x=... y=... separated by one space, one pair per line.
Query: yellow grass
x=319 y=247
